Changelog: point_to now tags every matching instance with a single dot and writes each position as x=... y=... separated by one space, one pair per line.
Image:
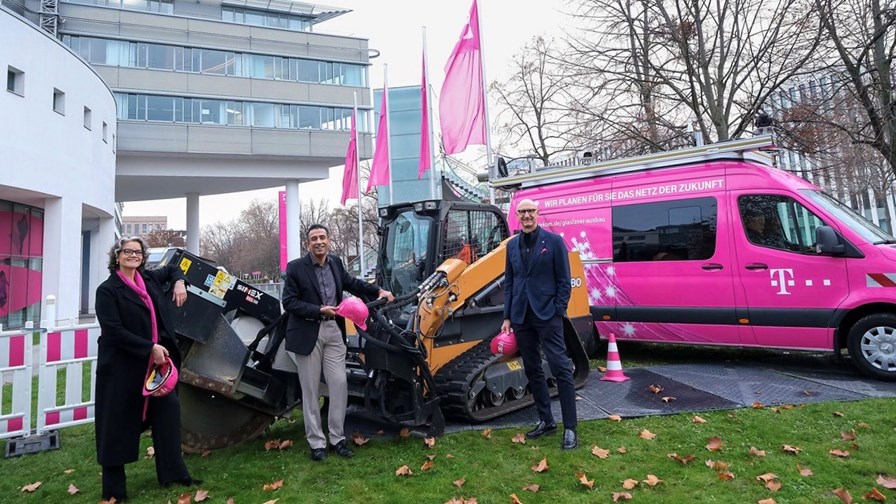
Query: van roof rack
x=749 y=148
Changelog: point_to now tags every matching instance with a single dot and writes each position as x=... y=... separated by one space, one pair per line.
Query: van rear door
x=789 y=292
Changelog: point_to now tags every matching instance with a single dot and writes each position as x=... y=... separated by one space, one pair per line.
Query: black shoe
x=570 y=440
x=541 y=429
x=318 y=454
x=188 y=481
x=342 y=450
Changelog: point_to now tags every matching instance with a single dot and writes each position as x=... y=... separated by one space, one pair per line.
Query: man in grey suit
x=315 y=336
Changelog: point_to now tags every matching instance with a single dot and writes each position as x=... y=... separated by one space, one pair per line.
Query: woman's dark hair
x=116 y=249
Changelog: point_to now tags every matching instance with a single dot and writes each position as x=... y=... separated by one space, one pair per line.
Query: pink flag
x=462 y=102
x=379 y=167
x=424 y=126
x=350 y=176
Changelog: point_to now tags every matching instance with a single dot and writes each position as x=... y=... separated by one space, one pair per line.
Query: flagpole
x=488 y=135
x=388 y=128
x=358 y=173
x=432 y=152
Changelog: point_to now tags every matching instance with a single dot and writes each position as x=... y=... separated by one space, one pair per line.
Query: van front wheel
x=872 y=346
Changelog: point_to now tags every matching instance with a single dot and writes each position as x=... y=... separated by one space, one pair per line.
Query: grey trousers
x=328 y=356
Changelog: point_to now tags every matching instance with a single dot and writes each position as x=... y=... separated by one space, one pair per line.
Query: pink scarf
x=139 y=288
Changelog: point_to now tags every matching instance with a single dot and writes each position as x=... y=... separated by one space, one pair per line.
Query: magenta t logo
x=782 y=279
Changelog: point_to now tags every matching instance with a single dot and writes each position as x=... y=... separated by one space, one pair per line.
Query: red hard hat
x=160 y=379
x=504 y=344
x=355 y=310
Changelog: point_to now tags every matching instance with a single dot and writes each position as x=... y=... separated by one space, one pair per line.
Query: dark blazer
x=123 y=351
x=302 y=300
x=543 y=284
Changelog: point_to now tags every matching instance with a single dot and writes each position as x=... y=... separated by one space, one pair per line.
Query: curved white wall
x=52 y=161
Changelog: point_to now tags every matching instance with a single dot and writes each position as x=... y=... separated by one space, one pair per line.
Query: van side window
x=678 y=230
x=778 y=222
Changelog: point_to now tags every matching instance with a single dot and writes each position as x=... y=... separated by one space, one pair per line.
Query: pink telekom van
x=714 y=245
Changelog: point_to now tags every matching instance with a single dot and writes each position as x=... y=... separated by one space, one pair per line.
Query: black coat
x=302 y=300
x=123 y=352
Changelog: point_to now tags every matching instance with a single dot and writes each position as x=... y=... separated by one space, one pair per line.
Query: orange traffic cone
x=614 y=365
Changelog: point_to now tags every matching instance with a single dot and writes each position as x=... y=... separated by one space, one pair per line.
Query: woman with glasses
x=132 y=308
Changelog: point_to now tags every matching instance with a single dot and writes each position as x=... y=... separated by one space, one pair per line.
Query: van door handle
x=756 y=266
x=712 y=266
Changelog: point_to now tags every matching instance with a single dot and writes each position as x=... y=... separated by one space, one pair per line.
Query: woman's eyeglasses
x=129 y=252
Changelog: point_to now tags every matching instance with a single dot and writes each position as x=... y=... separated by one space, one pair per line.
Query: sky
x=395 y=29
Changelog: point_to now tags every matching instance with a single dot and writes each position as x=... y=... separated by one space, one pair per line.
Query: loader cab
x=417 y=237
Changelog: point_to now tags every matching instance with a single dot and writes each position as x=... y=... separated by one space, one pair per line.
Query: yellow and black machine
x=423 y=357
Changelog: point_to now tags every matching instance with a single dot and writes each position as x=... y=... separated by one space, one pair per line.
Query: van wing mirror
x=828 y=242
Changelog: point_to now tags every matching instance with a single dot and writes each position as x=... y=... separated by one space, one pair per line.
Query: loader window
x=407 y=240
x=470 y=234
x=678 y=230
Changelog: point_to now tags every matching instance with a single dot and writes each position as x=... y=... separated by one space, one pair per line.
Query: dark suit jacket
x=543 y=284
x=302 y=300
x=123 y=350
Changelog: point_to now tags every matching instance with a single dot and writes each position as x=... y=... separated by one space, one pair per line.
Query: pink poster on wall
x=283 y=254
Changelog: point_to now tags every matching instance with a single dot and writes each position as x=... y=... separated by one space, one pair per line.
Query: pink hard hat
x=504 y=344
x=355 y=310
x=160 y=379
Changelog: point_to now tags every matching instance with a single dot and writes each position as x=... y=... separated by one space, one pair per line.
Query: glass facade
x=161 y=6
x=265 y=18
x=141 y=107
x=122 y=53
x=21 y=264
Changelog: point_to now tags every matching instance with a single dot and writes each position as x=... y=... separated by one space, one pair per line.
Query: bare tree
x=165 y=238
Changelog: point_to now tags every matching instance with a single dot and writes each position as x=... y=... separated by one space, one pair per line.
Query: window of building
x=105 y=132
x=675 y=230
x=87 y=118
x=58 y=101
x=144 y=228
x=15 y=81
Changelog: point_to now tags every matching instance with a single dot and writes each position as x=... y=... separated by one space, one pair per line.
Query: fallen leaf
x=714 y=443
x=683 y=460
x=579 y=398
x=32 y=487
x=270 y=487
x=272 y=501
x=839 y=453
x=808 y=393
x=112 y=501
x=431 y=456
x=68 y=471
x=698 y=419
x=791 y=449
x=630 y=483
x=765 y=478
x=717 y=465
x=774 y=485
x=668 y=399
x=844 y=495
x=541 y=466
x=430 y=441
x=725 y=475
x=618 y=496
x=863 y=425
x=359 y=439
x=652 y=480
x=848 y=436
x=230 y=501
x=599 y=452
x=757 y=452
x=403 y=471
x=615 y=418
x=201 y=495
x=757 y=405
x=583 y=479
x=185 y=498
x=656 y=389
x=646 y=434
x=404 y=433
x=886 y=481
x=519 y=438
x=487 y=433
x=380 y=432
x=804 y=471
x=455 y=500
x=271 y=445
x=622 y=449
x=205 y=453
x=767 y=501
x=150 y=452
x=459 y=483
x=72 y=489
x=448 y=455
x=874 y=494
x=838 y=414
x=602 y=369
x=514 y=499
x=472 y=500
x=285 y=444
x=534 y=487
x=427 y=465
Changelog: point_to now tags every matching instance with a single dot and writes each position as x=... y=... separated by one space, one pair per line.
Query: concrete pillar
x=294 y=239
x=62 y=257
x=193 y=223
x=101 y=241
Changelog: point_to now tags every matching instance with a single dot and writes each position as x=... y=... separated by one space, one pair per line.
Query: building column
x=101 y=240
x=61 y=275
x=293 y=221
x=193 y=223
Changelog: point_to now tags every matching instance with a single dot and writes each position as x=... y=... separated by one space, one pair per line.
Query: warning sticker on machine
x=185 y=265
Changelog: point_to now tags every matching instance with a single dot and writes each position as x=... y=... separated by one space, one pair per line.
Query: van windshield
x=849 y=217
